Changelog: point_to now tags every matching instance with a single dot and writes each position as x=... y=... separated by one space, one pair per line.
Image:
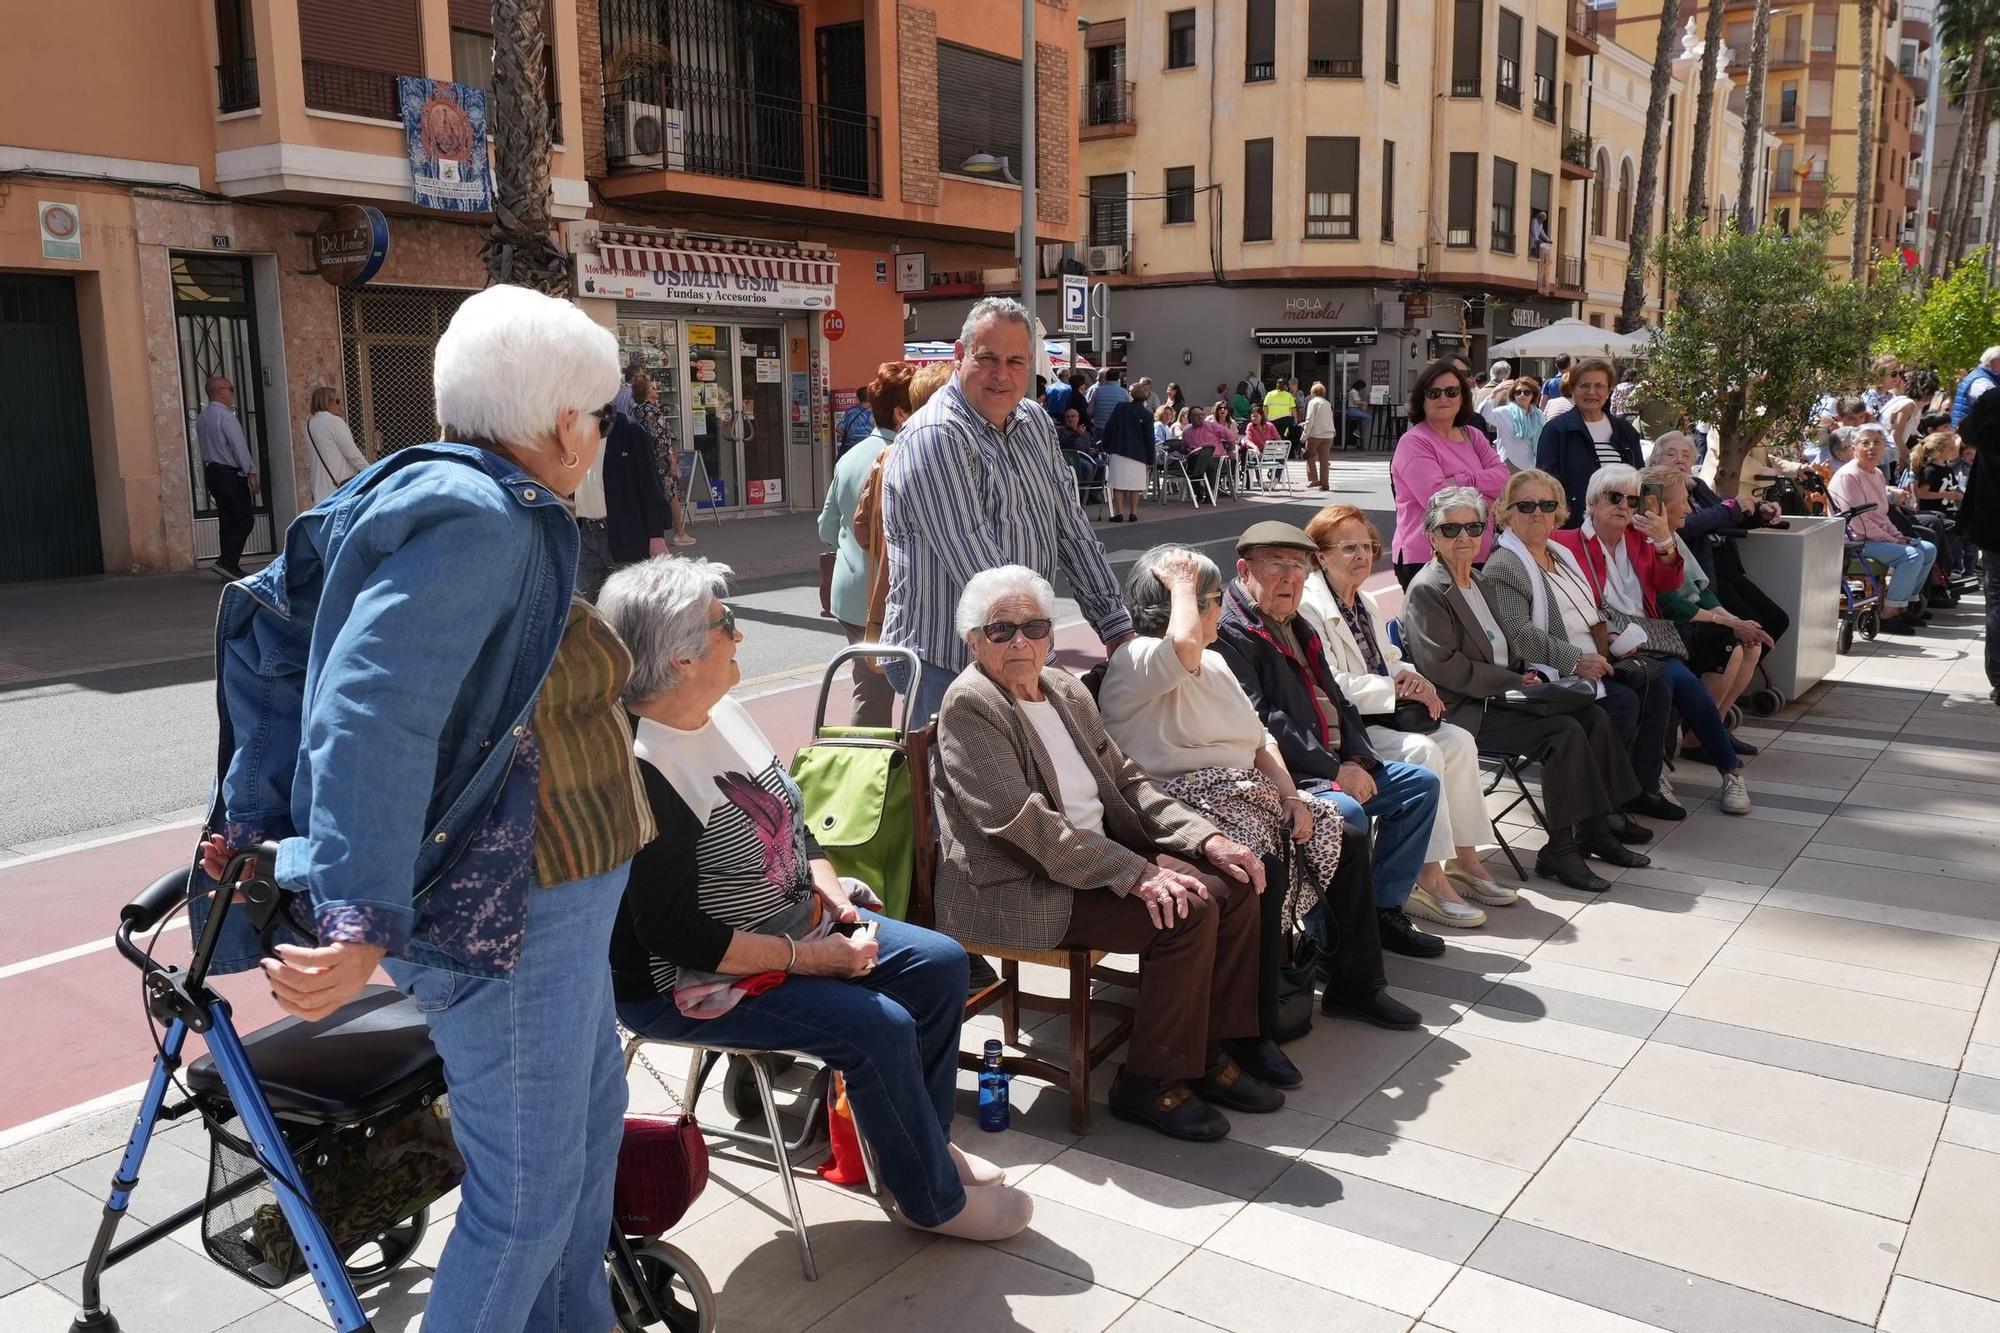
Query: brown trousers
x=1197 y=978
x=1319 y=465
x=874 y=696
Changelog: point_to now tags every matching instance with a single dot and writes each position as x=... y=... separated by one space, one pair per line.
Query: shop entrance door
x=760 y=416
x=215 y=323
x=711 y=397
x=48 y=516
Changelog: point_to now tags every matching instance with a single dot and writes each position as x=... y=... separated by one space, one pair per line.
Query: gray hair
x=1450 y=498
x=1619 y=475
x=512 y=361
x=1870 y=428
x=1147 y=598
x=1667 y=438
x=990 y=586
x=1990 y=357
x=995 y=307
x=660 y=609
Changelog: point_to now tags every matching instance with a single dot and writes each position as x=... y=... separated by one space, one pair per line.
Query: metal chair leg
x=762 y=1073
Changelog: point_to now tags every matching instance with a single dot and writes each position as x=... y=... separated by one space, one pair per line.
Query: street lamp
x=985 y=164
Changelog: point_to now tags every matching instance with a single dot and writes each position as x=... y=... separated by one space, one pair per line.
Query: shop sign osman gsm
x=735 y=289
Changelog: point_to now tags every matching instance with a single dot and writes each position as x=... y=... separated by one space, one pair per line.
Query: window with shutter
x=352 y=51
x=1388 y=192
x=1333 y=39
x=1545 y=75
x=1467 y=46
x=1260 y=41
x=1179 y=195
x=1462 y=209
x=1392 y=22
x=1180 y=39
x=1507 y=79
x=979 y=106
x=1333 y=169
x=1504 y=178
x=1109 y=210
x=1257 y=190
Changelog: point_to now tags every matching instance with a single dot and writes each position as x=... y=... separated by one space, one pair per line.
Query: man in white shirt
x=228 y=472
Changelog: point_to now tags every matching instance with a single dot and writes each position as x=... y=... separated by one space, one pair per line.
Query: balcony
x=1334 y=69
x=1545 y=98
x=738 y=133
x=236 y=86
x=1465 y=86
x=1569 y=273
x=351 y=90
x=1576 y=150
x=1788 y=53
x=1107 y=109
x=1580 y=29
x=1508 y=95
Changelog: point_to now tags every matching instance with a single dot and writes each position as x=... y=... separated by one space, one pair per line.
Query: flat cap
x=1273 y=533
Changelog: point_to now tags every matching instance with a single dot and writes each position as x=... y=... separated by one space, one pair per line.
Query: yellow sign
x=702 y=335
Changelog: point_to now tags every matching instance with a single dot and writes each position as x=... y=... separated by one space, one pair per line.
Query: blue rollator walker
x=342 y=1136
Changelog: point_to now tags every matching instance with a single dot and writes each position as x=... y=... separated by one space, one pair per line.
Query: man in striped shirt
x=977 y=481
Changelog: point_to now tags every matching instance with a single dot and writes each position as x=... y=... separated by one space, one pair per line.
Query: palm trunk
x=521 y=248
x=1954 y=181
x=1864 y=149
x=1974 y=128
x=1753 y=115
x=1704 y=110
x=1631 y=313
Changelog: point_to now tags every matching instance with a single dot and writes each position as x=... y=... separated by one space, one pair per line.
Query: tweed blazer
x=1449 y=645
x=1511 y=595
x=1009 y=860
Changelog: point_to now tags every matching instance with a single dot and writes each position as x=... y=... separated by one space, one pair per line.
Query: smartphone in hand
x=1652 y=498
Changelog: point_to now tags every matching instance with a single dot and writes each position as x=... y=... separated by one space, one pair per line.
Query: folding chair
x=1502 y=766
x=1174 y=475
x=1082 y=492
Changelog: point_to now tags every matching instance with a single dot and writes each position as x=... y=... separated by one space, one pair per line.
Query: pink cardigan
x=1424 y=464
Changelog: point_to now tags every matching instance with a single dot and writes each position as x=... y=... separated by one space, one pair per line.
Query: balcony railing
x=1508 y=95
x=236 y=86
x=1465 y=87
x=1334 y=69
x=1569 y=272
x=351 y=90
x=1582 y=19
x=1577 y=147
x=1392 y=70
x=736 y=132
x=1458 y=238
x=1503 y=241
x=1545 y=98
x=1259 y=71
x=1108 y=102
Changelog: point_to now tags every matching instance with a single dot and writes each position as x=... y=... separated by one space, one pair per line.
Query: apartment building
x=776 y=179
x=1812 y=102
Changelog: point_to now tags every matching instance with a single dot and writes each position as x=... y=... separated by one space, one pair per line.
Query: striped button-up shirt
x=960 y=497
x=220 y=436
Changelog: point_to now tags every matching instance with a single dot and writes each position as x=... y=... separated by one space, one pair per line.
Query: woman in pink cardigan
x=1436 y=452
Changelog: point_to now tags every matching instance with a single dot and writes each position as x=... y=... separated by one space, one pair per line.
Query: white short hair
x=1669 y=437
x=1989 y=356
x=1450 y=498
x=995 y=307
x=1870 y=428
x=660 y=609
x=989 y=587
x=513 y=360
x=1624 y=478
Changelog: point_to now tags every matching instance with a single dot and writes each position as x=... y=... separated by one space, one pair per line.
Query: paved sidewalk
x=1754 y=1088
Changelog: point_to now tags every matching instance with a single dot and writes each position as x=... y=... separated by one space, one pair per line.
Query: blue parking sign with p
x=1075 y=293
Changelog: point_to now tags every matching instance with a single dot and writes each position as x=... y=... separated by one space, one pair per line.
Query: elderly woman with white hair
x=1628 y=556
x=736 y=930
x=1050 y=837
x=430 y=730
x=1454 y=637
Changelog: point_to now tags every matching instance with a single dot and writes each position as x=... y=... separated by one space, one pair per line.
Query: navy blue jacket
x=1129 y=433
x=635 y=509
x=1566 y=452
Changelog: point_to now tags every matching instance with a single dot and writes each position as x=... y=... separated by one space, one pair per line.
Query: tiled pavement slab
x=1753 y=1089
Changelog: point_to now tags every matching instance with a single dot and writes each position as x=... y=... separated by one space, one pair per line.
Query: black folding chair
x=1502 y=766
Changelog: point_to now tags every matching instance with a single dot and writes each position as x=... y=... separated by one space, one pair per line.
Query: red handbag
x=662 y=1167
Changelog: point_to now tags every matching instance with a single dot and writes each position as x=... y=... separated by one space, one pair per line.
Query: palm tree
x=1864 y=140
x=1962 y=27
x=1704 y=111
x=1753 y=116
x=521 y=248
x=1631 y=312
x=1973 y=129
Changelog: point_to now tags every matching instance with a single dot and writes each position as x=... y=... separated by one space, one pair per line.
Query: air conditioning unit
x=1105 y=258
x=653 y=136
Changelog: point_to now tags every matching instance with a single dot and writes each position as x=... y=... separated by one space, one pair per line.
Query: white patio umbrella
x=1575 y=338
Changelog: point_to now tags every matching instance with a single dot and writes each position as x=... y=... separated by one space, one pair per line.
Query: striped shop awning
x=642 y=250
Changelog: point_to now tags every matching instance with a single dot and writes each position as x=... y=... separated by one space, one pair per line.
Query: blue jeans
x=1697 y=709
x=537 y=1086
x=933 y=681
x=1909 y=565
x=893 y=1033
x=1404 y=807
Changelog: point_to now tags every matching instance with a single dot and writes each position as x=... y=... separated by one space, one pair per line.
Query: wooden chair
x=1084 y=966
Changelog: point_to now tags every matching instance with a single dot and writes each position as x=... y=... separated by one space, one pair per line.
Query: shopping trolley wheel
x=1871 y=623
x=1845 y=644
x=739 y=1090
x=1733 y=718
x=380 y=1255
x=679 y=1292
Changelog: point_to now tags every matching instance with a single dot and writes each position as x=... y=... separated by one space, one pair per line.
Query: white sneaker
x=1735 y=794
x=684 y=540
x=1667 y=790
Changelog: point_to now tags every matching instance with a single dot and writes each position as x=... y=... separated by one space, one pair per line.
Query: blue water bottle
x=993 y=1091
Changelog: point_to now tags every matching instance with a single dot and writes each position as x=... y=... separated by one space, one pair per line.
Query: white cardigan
x=1371 y=694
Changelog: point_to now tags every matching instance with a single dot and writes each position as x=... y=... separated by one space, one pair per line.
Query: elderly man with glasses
x=1277 y=656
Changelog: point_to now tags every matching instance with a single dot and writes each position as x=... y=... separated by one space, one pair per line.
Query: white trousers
x=1452 y=754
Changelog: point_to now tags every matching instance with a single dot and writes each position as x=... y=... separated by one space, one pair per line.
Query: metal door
x=215 y=325
x=760 y=416
x=48 y=510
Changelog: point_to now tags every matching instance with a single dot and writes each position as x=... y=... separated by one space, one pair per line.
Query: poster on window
x=444 y=126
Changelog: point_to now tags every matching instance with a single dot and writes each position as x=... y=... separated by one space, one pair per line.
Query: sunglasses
x=726 y=622
x=604 y=415
x=1530 y=506
x=1616 y=498
x=1436 y=392
x=1476 y=529
x=1003 y=631
x=1526 y=393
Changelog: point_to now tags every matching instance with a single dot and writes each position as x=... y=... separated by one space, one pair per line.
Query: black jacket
x=635 y=509
x=1712 y=520
x=1979 y=514
x=1279 y=690
x=1566 y=452
x=1128 y=433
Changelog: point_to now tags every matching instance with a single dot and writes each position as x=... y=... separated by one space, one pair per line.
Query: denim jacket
x=376 y=684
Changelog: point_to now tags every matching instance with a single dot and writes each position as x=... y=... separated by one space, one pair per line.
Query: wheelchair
x=1863 y=583
x=328 y=1141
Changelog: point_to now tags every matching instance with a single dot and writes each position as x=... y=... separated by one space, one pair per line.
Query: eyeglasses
x=726 y=622
x=1616 y=498
x=604 y=415
x=1531 y=506
x=1348 y=550
x=1283 y=564
x=1474 y=529
x=1003 y=631
x=1437 y=391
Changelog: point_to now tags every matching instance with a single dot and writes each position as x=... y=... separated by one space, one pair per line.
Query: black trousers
x=1736 y=591
x=235 y=510
x=1640 y=721
x=1344 y=921
x=1585 y=771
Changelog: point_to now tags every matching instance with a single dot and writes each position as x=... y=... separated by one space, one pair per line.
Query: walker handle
x=869 y=652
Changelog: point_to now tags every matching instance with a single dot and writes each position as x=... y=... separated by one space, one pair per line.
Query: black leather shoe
x=1655 y=806
x=1612 y=852
x=1743 y=747
x=1568 y=868
x=1228 y=1084
x=1898 y=625
x=1168 y=1106
x=1629 y=831
x=1375 y=1006
x=1399 y=936
x=1262 y=1060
